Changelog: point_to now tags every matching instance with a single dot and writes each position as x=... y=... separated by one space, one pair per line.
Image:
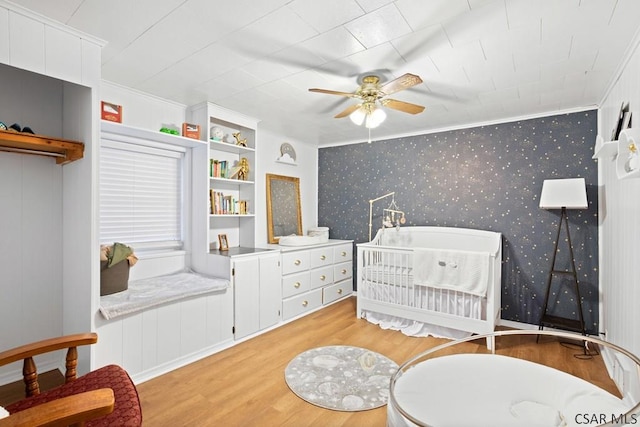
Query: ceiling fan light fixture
x=375 y=118
x=357 y=117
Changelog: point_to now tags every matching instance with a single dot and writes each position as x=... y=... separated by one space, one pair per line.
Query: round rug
x=342 y=378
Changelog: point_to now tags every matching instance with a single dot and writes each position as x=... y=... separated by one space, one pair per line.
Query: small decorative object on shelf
x=217 y=134
x=239 y=140
x=224 y=243
x=241 y=169
x=191 y=131
x=111 y=112
x=287 y=154
x=627 y=161
x=169 y=131
x=632 y=159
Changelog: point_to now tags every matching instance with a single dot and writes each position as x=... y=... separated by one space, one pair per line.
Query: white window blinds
x=140 y=195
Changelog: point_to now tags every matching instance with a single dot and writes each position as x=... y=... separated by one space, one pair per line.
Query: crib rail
x=385 y=285
x=385 y=275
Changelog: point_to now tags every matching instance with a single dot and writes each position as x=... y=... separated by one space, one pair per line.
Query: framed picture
x=615 y=133
x=111 y=112
x=191 y=131
x=626 y=120
x=224 y=243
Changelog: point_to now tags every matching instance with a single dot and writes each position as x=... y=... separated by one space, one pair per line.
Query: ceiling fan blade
x=405 y=107
x=334 y=92
x=348 y=111
x=401 y=83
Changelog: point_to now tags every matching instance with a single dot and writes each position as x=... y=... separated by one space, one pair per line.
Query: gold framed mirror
x=284 y=215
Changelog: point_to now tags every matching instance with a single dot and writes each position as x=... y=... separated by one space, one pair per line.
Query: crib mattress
x=488 y=389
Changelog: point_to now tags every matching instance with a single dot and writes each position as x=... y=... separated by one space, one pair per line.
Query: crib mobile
x=391 y=216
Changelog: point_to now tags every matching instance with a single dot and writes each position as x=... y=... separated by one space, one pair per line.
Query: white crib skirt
x=413 y=328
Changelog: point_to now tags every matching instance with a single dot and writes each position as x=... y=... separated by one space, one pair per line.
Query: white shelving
x=208 y=223
x=253 y=272
x=604 y=149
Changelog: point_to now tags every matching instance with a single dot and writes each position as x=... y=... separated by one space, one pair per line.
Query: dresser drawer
x=295 y=284
x=321 y=277
x=342 y=271
x=320 y=257
x=300 y=304
x=292 y=262
x=336 y=291
x=343 y=253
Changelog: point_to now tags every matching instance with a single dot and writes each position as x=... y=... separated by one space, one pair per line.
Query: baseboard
x=15 y=374
x=156 y=371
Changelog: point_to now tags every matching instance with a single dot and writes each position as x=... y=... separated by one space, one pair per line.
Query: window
x=141 y=194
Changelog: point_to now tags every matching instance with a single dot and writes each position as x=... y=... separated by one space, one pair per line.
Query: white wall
x=306 y=169
x=48 y=73
x=619 y=216
x=30 y=249
x=142 y=110
x=620 y=221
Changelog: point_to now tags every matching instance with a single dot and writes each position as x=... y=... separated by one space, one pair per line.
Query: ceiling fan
x=374 y=95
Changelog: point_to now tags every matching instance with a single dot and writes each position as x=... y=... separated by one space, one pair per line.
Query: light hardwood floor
x=245 y=386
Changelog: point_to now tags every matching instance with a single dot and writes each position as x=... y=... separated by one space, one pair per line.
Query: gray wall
x=487 y=177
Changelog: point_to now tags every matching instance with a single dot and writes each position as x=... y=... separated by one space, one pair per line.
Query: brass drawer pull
x=296 y=285
x=343 y=271
x=322 y=257
x=343 y=253
x=297 y=262
x=305 y=303
x=339 y=291
x=323 y=277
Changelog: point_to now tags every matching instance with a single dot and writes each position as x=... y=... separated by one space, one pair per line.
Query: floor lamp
x=563 y=194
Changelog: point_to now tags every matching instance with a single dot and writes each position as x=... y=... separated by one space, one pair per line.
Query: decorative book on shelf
x=218 y=168
x=221 y=204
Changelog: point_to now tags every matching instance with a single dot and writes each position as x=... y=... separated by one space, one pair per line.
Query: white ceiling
x=481 y=60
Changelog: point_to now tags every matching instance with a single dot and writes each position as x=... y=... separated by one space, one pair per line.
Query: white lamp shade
x=357 y=116
x=570 y=193
x=375 y=118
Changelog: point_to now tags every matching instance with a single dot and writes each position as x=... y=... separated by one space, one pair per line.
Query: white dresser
x=313 y=276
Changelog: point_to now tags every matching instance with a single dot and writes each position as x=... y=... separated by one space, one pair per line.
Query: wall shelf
x=65 y=151
x=604 y=149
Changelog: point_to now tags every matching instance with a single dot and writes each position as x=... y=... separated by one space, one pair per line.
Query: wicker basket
x=114 y=279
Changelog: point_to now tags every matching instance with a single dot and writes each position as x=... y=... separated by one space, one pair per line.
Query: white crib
x=388 y=283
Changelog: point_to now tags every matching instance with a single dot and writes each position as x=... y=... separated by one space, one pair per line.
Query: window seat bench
x=145 y=293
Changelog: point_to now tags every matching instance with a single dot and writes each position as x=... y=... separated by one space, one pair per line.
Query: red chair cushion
x=126 y=412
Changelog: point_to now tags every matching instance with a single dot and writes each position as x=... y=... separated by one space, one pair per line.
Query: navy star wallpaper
x=489 y=178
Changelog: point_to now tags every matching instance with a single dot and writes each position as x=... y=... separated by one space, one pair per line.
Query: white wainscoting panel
x=160 y=339
x=619 y=239
x=26 y=43
x=63 y=55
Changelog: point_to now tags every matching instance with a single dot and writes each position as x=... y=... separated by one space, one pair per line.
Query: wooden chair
x=104 y=397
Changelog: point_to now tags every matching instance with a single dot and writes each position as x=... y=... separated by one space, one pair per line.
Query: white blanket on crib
x=456 y=270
